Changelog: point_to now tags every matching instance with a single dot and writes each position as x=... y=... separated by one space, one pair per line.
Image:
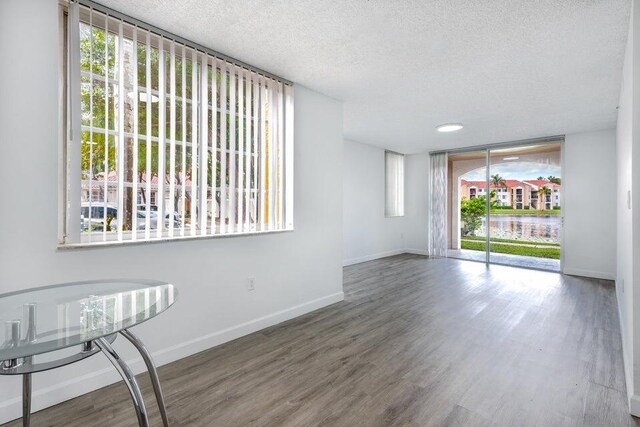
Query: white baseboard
x=417 y=252
x=49 y=396
x=589 y=273
x=632 y=400
x=379 y=255
x=634 y=405
x=371 y=257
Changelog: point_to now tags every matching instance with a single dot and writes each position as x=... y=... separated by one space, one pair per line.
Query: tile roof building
x=525 y=194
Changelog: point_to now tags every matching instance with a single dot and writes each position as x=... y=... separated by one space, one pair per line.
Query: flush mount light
x=449 y=127
x=511 y=158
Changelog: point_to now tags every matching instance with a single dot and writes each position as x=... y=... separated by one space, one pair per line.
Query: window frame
x=282 y=163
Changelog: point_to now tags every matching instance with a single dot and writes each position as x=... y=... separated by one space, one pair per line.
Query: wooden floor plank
x=417 y=342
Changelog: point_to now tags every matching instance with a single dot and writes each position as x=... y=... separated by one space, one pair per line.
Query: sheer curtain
x=438 y=205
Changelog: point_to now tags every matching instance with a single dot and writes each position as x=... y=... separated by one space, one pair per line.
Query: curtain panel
x=438 y=205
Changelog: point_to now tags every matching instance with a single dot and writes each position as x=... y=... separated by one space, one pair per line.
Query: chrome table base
x=26 y=369
x=151 y=368
x=129 y=380
x=26 y=399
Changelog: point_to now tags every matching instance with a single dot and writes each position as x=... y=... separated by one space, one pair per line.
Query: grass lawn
x=545 y=252
x=523 y=242
x=528 y=212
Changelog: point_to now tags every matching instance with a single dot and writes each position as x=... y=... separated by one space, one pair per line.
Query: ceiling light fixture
x=449 y=127
x=511 y=158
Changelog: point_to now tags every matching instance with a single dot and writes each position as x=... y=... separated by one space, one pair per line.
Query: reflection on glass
x=510 y=196
x=467 y=205
x=524 y=224
x=55 y=317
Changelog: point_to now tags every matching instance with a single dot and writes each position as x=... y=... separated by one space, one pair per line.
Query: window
x=394 y=175
x=155 y=121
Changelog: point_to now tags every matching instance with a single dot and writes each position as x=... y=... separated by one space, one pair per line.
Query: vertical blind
x=169 y=141
x=394 y=184
x=438 y=205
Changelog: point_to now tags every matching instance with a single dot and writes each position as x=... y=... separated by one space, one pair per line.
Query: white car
x=95 y=221
x=154 y=212
x=153 y=220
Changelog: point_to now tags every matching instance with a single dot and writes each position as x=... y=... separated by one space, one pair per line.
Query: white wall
x=628 y=211
x=417 y=203
x=367 y=234
x=589 y=170
x=295 y=272
x=589 y=200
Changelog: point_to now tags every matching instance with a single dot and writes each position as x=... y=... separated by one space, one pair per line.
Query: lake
x=535 y=228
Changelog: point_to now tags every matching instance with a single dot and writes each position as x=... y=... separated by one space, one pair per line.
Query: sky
x=515 y=170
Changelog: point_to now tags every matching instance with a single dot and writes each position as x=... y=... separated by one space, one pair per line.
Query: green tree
x=96 y=56
x=554 y=179
x=472 y=211
x=498 y=181
x=544 y=191
x=100 y=108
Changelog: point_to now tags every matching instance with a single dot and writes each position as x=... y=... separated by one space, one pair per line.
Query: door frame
x=513 y=144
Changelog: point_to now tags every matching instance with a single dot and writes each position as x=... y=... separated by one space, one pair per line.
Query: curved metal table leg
x=155 y=381
x=129 y=380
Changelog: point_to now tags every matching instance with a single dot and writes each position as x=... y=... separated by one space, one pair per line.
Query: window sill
x=114 y=243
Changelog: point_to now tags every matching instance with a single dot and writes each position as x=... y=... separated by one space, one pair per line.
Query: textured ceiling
x=506 y=69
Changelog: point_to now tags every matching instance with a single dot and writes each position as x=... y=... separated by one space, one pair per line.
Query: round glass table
x=52 y=326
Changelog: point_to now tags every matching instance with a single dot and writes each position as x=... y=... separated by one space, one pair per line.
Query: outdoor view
x=525 y=189
x=173 y=139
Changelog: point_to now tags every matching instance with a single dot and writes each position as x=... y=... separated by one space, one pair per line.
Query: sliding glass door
x=504 y=205
x=525 y=212
x=467 y=182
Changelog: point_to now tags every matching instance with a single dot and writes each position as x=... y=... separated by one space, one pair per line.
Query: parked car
x=154 y=211
x=96 y=222
x=153 y=220
x=143 y=208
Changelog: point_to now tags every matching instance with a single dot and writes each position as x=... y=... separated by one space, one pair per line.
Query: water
x=533 y=228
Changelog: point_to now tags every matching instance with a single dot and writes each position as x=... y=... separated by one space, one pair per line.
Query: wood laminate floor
x=416 y=342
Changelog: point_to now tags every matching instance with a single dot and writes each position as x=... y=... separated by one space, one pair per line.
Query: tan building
x=526 y=194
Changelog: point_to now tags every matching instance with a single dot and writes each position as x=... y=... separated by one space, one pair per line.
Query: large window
x=167 y=139
x=394 y=186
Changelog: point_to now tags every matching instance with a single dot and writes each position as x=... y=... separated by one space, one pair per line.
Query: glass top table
x=39 y=322
x=65 y=315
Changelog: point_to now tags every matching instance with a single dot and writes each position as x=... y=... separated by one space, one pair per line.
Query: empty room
x=304 y=213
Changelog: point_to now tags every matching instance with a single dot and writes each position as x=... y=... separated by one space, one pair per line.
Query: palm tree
x=544 y=191
x=554 y=179
x=498 y=181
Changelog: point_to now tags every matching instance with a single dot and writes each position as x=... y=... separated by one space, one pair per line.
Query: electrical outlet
x=251 y=285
